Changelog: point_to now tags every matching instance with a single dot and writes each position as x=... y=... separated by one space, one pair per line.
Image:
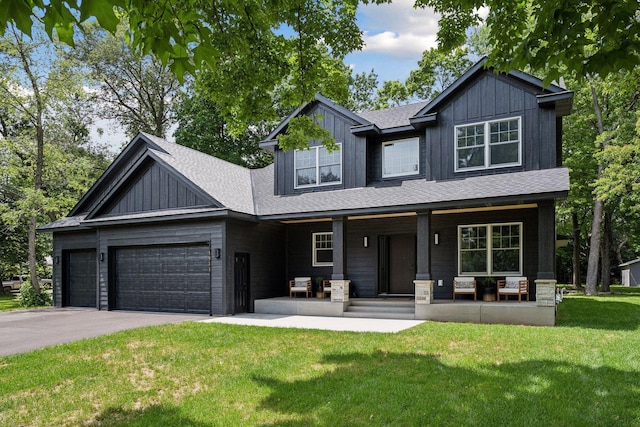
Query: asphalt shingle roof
x=226 y=182
x=408 y=193
x=392 y=117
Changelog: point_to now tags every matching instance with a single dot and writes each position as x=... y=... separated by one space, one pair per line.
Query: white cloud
x=398 y=29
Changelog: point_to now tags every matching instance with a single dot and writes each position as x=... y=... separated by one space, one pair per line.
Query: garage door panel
x=163 y=278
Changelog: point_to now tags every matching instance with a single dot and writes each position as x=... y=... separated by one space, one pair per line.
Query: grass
x=585 y=371
x=8 y=302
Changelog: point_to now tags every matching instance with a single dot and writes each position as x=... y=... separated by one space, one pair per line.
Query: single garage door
x=80 y=279
x=163 y=278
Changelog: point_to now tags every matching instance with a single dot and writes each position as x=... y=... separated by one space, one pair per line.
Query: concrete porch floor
x=503 y=312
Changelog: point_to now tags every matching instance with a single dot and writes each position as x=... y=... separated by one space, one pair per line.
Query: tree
x=135 y=91
x=436 y=71
x=551 y=37
x=35 y=93
x=201 y=127
x=362 y=92
x=250 y=47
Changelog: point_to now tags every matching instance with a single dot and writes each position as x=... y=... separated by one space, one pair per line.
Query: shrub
x=29 y=298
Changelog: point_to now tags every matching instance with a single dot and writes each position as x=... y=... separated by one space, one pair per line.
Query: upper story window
x=400 y=157
x=491 y=144
x=317 y=166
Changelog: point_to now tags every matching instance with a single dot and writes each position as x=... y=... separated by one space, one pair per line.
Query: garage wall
x=211 y=232
x=68 y=242
x=264 y=242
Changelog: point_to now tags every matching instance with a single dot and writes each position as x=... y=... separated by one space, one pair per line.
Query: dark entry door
x=397 y=264
x=79 y=278
x=241 y=282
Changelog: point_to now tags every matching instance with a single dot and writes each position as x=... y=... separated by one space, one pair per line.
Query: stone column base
x=424 y=291
x=546 y=293
x=340 y=290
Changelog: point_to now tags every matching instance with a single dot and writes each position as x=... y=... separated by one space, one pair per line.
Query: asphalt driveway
x=26 y=330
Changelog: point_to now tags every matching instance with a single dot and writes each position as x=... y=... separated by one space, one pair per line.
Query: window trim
x=317 y=168
x=490 y=271
x=396 y=141
x=314 y=250
x=487 y=145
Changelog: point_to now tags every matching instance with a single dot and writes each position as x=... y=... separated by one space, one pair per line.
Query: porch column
x=423 y=246
x=546 y=240
x=339 y=283
x=339 y=249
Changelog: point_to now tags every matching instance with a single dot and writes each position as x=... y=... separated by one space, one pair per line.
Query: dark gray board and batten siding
x=154 y=188
x=493 y=97
x=354 y=153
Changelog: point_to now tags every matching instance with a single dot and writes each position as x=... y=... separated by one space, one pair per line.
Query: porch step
x=381 y=309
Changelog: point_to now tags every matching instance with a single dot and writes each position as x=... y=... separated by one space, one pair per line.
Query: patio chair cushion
x=301 y=282
x=513 y=282
x=464 y=282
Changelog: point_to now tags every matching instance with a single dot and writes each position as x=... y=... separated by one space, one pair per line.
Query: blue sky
x=395 y=36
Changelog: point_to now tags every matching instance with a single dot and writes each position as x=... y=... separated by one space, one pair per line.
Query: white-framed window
x=490 y=249
x=322 y=249
x=401 y=157
x=491 y=144
x=317 y=166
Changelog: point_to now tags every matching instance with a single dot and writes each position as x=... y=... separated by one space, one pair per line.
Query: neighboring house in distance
x=630 y=272
x=464 y=185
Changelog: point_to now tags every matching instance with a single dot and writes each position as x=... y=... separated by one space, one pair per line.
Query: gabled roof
x=628 y=263
x=549 y=95
x=223 y=184
x=270 y=141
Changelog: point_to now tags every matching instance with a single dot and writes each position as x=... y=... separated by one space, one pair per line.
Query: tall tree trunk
x=605 y=253
x=598 y=208
x=36 y=119
x=576 y=251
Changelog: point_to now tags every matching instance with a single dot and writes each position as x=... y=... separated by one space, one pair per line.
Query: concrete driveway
x=26 y=330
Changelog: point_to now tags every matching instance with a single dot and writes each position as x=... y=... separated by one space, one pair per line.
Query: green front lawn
x=8 y=302
x=585 y=371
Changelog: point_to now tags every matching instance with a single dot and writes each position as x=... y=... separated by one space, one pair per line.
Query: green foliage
x=436 y=71
x=303 y=129
x=362 y=91
x=136 y=91
x=242 y=44
x=29 y=298
x=8 y=302
x=201 y=127
x=555 y=37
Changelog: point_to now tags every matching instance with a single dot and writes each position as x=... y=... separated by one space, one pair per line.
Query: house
x=464 y=185
x=630 y=272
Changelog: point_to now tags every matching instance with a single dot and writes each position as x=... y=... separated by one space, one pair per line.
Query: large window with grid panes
x=322 y=249
x=490 y=249
x=486 y=145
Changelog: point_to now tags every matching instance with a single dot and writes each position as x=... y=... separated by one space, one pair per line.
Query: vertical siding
x=64 y=242
x=265 y=244
x=491 y=97
x=152 y=189
x=444 y=257
x=375 y=146
x=353 y=155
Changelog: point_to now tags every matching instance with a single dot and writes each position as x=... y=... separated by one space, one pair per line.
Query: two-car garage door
x=172 y=278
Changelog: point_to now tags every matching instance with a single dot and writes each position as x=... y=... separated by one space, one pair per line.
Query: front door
x=397 y=264
x=241 y=282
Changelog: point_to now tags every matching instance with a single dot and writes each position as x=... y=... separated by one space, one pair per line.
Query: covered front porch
x=421 y=307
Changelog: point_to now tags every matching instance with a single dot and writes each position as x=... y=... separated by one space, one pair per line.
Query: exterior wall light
x=365 y=241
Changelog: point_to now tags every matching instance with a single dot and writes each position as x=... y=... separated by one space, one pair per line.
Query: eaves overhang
x=416 y=207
